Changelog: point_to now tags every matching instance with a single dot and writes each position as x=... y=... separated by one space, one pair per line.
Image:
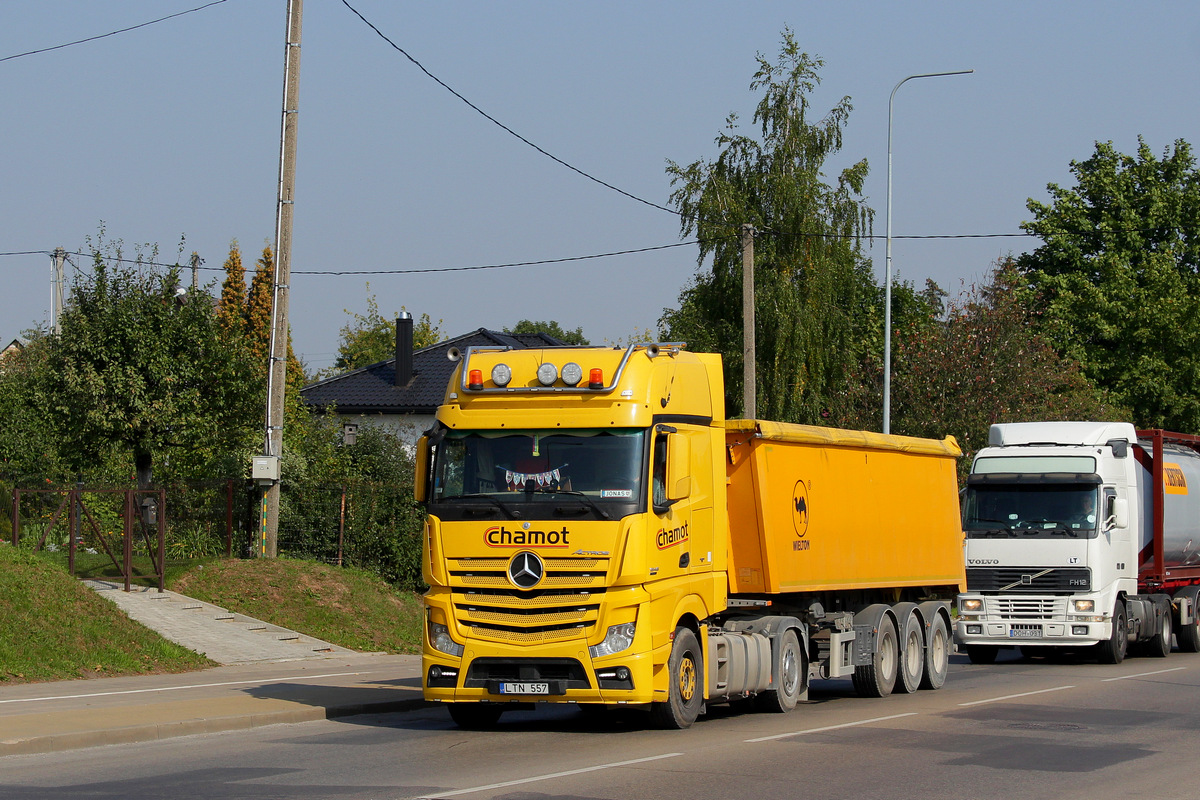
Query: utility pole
x=56 y=290
x=749 y=388
x=277 y=361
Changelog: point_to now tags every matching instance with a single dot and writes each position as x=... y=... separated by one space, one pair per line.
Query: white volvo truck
x=1081 y=534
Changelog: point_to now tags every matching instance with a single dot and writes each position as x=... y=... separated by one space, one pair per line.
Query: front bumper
x=497 y=673
x=1028 y=621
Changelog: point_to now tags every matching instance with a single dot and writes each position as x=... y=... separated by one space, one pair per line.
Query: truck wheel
x=1113 y=650
x=789 y=676
x=877 y=678
x=912 y=654
x=1159 y=645
x=1188 y=636
x=686 y=676
x=937 y=654
x=982 y=653
x=475 y=716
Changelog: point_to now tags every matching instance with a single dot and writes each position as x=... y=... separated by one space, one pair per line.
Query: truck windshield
x=1030 y=509
x=581 y=473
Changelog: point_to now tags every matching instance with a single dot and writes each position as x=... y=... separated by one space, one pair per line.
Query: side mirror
x=420 y=478
x=679 y=467
x=1118 y=516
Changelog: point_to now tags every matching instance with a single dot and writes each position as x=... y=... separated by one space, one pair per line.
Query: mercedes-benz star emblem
x=526 y=570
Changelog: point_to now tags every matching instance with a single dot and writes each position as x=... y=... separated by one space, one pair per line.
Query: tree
x=1117 y=278
x=259 y=319
x=370 y=338
x=232 y=308
x=813 y=283
x=143 y=365
x=258 y=307
x=983 y=362
x=551 y=328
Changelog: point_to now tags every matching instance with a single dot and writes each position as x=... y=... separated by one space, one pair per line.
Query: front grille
x=567 y=670
x=1029 y=579
x=564 y=605
x=1026 y=608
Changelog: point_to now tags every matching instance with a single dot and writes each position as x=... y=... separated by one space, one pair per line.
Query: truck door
x=684 y=519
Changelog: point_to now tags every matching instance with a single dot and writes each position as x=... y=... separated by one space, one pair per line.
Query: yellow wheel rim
x=687 y=678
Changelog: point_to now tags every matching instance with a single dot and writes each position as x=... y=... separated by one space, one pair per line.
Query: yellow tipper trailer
x=598 y=533
x=822 y=509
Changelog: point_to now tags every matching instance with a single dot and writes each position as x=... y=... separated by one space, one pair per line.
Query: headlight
x=970 y=605
x=618 y=638
x=547 y=374
x=439 y=639
x=1084 y=605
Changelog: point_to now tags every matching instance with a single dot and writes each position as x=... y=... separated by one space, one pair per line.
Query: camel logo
x=800 y=509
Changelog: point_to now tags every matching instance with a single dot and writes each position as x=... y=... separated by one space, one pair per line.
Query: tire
x=475 y=716
x=982 y=653
x=937 y=654
x=879 y=677
x=789 y=676
x=685 y=670
x=912 y=654
x=1113 y=651
x=1159 y=645
x=1188 y=636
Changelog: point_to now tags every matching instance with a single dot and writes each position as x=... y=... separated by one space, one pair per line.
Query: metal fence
x=375 y=527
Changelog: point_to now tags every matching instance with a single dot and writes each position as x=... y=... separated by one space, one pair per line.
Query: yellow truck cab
x=598 y=533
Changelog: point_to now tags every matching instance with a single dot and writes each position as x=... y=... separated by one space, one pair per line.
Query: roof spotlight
x=547 y=374
x=572 y=373
x=501 y=375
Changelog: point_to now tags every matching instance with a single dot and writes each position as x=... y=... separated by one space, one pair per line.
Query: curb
x=57 y=742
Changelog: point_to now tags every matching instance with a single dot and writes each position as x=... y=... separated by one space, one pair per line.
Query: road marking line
x=1013 y=696
x=830 y=727
x=174 y=688
x=537 y=778
x=1143 y=674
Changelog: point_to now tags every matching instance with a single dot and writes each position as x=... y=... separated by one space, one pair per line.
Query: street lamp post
x=887 y=280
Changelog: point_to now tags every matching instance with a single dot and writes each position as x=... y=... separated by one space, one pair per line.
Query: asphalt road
x=1017 y=729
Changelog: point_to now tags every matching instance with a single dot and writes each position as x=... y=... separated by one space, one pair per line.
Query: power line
x=490 y=266
x=497 y=122
x=112 y=33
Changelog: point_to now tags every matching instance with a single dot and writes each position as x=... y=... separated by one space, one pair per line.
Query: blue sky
x=172 y=131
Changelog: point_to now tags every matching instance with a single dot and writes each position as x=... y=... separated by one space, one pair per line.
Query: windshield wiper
x=589 y=501
x=1005 y=531
x=511 y=513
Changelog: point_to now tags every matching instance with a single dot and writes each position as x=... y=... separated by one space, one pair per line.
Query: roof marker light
x=596 y=378
x=475 y=380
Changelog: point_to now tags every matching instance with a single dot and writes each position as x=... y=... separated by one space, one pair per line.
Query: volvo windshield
x=1031 y=509
x=514 y=474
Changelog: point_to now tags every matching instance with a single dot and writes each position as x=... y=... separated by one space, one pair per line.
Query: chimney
x=404 y=349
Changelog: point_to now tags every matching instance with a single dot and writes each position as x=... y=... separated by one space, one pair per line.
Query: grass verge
x=54 y=628
x=347 y=607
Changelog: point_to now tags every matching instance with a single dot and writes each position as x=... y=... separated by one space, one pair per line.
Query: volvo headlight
x=439 y=639
x=618 y=638
x=1084 y=605
x=971 y=604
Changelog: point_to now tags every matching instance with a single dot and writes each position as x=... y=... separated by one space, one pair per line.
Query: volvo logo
x=526 y=570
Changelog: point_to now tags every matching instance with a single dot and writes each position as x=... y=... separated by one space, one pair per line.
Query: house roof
x=372 y=389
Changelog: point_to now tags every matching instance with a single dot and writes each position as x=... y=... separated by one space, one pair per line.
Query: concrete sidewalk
x=50 y=717
x=222 y=635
